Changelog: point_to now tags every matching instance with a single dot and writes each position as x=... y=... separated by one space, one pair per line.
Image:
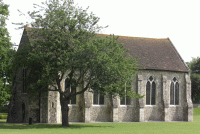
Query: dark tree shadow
x=51 y=126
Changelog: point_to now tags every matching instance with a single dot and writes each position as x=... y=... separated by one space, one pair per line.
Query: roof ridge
x=119 y=35
x=131 y=36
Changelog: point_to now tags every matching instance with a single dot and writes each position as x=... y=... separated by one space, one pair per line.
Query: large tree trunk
x=65 y=110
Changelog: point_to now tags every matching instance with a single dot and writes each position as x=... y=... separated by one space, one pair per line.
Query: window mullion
x=150 y=91
x=125 y=99
x=125 y=93
x=174 y=92
x=70 y=93
x=98 y=99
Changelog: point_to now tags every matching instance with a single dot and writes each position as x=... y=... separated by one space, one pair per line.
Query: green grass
x=3 y=120
x=110 y=128
x=101 y=128
x=196 y=111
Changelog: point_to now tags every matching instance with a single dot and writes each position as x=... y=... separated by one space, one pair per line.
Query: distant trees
x=6 y=57
x=194 y=66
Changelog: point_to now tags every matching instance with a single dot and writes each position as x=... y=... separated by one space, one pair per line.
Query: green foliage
x=3 y=116
x=6 y=57
x=64 y=45
x=195 y=78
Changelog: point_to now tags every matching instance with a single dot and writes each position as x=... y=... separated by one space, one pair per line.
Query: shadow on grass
x=50 y=126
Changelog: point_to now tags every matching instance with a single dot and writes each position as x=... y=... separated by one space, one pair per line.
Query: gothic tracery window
x=150 y=91
x=174 y=92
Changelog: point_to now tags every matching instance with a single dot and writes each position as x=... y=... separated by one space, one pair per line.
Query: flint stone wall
x=48 y=109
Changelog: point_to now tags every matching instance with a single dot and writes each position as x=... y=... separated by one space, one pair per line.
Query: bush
x=3 y=116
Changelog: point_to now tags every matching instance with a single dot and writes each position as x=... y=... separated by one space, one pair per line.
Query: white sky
x=177 y=19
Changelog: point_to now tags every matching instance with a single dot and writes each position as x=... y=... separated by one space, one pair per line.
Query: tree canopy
x=6 y=56
x=194 y=66
x=64 y=44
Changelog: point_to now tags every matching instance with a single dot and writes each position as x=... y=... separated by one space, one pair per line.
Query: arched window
x=150 y=92
x=72 y=90
x=174 y=92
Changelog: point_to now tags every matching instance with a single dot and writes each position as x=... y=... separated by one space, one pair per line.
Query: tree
x=194 y=66
x=6 y=57
x=64 y=45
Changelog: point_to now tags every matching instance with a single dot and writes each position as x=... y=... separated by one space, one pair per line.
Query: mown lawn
x=111 y=128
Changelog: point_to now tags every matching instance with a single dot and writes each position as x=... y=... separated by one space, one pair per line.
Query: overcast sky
x=178 y=20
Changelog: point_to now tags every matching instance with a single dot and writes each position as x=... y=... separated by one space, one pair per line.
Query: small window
x=174 y=92
x=150 y=91
x=98 y=99
x=72 y=90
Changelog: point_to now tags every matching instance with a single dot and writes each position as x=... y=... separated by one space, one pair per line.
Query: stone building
x=163 y=78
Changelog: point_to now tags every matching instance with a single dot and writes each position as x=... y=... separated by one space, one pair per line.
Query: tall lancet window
x=150 y=91
x=174 y=92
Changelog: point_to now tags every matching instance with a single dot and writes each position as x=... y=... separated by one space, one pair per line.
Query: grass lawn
x=111 y=128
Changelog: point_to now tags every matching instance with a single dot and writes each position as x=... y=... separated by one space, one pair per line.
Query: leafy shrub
x=3 y=116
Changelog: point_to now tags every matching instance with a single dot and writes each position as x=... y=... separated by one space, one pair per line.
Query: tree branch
x=53 y=90
x=84 y=89
x=81 y=76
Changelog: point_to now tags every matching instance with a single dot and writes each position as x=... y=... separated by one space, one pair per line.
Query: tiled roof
x=152 y=53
